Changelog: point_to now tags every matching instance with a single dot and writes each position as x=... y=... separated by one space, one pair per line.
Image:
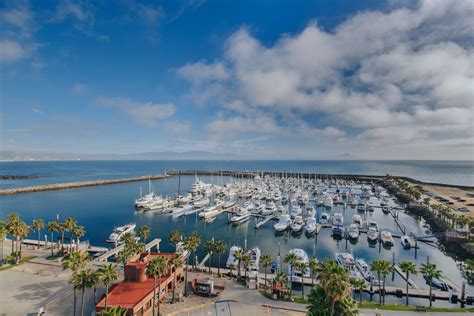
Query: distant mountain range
x=160 y=155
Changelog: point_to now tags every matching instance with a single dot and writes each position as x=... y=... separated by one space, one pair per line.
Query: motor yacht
x=372 y=234
x=337 y=219
x=337 y=230
x=255 y=255
x=327 y=200
x=284 y=221
x=361 y=207
x=364 y=270
x=294 y=274
x=357 y=219
x=386 y=237
x=353 y=231
x=231 y=259
x=118 y=232
x=324 y=219
x=406 y=241
x=295 y=211
x=297 y=224
x=210 y=212
x=310 y=226
x=346 y=260
x=242 y=215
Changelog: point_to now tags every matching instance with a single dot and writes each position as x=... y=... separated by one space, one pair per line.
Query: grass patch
x=7 y=266
x=396 y=307
x=54 y=257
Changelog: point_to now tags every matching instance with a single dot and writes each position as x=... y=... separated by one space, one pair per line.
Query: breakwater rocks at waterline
x=75 y=185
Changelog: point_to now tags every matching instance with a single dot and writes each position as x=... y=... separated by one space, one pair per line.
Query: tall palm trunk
x=360 y=294
x=408 y=275
x=186 y=277
x=154 y=295
x=333 y=303
x=384 y=289
x=106 y=296
x=174 y=286
x=62 y=241
x=291 y=280
x=39 y=237
x=75 y=301
x=265 y=279
x=210 y=261
x=238 y=272
x=219 y=266
x=19 y=254
x=431 y=288
x=13 y=245
x=1 y=252
x=380 y=289
x=95 y=295
x=82 y=301
x=159 y=296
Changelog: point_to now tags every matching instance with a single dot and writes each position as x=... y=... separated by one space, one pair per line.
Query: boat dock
x=112 y=252
x=403 y=275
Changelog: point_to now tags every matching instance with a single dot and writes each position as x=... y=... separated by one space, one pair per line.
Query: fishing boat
x=255 y=255
x=241 y=216
x=310 y=226
x=284 y=221
x=361 y=207
x=386 y=237
x=346 y=260
x=406 y=241
x=294 y=274
x=118 y=232
x=231 y=259
x=297 y=224
x=324 y=219
x=353 y=231
x=337 y=219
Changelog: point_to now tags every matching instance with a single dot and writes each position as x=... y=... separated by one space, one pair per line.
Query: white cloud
x=178 y=128
x=11 y=51
x=147 y=114
x=149 y=14
x=79 y=11
x=405 y=75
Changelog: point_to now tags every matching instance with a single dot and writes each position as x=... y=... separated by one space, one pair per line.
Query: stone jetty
x=75 y=185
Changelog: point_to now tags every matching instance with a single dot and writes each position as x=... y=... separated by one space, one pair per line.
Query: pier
x=112 y=252
x=76 y=185
x=260 y=222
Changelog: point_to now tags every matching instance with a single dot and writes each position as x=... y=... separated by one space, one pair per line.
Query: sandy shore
x=448 y=191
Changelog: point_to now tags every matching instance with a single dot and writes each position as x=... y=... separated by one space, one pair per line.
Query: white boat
x=269 y=209
x=231 y=259
x=242 y=215
x=144 y=200
x=210 y=212
x=327 y=200
x=324 y=219
x=337 y=219
x=255 y=255
x=346 y=260
x=372 y=234
x=335 y=199
x=180 y=211
x=295 y=211
x=284 y=221
x=229 y=204
x=373 y=224
x=310 y=226
x=405 y=241
x=353 y=231
x=361 y=207
x=337 y=230
x=202 y=203
x=118 y=232
x=364 y=270
x=438 y=283
x=357 y=219
x=386 y=238
x=297 y=276
x=297 y=224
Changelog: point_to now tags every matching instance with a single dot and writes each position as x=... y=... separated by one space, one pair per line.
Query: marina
x=298 y=197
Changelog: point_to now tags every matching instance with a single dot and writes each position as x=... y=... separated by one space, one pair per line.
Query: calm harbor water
x=451 y=172
x=101 y=208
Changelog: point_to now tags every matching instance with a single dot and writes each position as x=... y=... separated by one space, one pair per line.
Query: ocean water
x=450 y=172
x=101 y=208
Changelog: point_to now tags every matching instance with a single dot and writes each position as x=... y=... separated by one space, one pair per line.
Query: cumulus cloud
x=405 y=75
x=147 y=113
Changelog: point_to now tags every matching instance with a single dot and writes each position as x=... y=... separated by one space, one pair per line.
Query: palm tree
x=3 y=234
x=376 y=266
x=386 y=269
x=23 y=232
x=303 y=268
x=334 y=282
x=144 y=232
x=12 y=223
x=266 y=261
x=313 y=267
x=219 y=249
x=38 y=225
x=191 y=244
x=123 y=257
x=70 y=224
x=74 y=261
x=239 y=256
x=430 y=271
x=231 y=268
x=291 y=260
x=128 y=239
x=407 y=267
x=115 y=311
x=176 y=262
x=360 y=285
x=53 y=227
x=62 y=229
x=95 y=281
x=209 y=248
x=82 y=280
x=175 y=237
x=156 y=268
x=247 y=260
x=109 y=274
x=79 y=232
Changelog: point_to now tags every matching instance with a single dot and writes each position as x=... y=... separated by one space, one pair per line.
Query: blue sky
x=289 y=79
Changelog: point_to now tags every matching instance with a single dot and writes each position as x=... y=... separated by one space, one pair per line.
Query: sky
x=266 y=79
